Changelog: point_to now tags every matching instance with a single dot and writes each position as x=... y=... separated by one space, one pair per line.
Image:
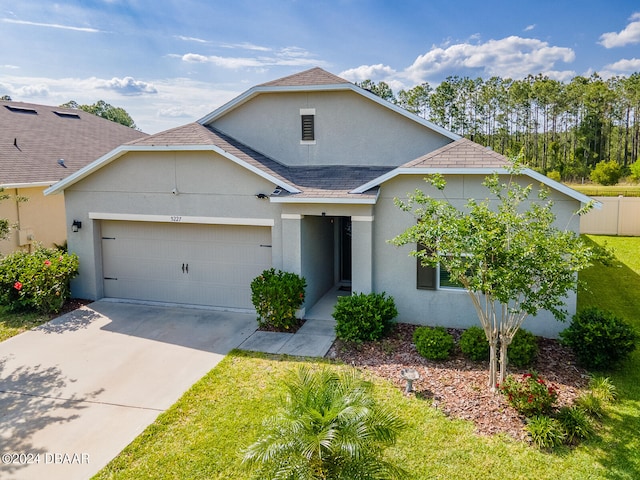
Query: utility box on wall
x=25 y=236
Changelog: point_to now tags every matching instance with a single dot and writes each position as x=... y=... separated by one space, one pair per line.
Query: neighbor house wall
x=395 y=270
x=39 y=219
x=143 y=183
x=349 y=130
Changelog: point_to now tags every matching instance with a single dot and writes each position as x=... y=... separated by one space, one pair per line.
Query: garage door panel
x=144 y=261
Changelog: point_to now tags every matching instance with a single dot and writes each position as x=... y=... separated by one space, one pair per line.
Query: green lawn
x=201 y=435
x=12 y=324
x=607 y=191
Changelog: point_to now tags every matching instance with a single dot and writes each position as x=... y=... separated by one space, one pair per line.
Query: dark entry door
x=345 y=249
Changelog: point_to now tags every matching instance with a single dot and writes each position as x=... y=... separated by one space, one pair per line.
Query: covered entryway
x=194 y=264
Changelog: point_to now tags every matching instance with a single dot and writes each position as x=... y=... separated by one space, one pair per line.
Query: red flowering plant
x=529 y=394
x=37 y=281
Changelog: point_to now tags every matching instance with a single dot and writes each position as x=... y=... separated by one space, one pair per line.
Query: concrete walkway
x=75 y=391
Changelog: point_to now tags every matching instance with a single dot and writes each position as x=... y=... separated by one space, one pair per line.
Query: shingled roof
x=33 y=138
x=313 y=76
x=462 y=153
x=312 y=182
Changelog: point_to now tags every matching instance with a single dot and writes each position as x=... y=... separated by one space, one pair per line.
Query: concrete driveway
x=76 y=391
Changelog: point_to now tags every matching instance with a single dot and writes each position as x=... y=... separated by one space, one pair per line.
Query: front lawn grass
x=617 y=288
x=202 y=434
x=12 y=323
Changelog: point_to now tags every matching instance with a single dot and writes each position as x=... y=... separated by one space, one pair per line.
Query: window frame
x=435 y=273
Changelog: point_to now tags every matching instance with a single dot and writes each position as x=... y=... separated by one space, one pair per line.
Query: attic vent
x=16 y=109
x=67 y=114
x=308 y=133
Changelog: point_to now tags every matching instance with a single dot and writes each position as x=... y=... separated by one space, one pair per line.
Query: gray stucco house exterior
x=300 y=174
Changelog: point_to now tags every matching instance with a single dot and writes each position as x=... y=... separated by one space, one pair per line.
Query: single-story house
x=39 y=146
x=299 y=174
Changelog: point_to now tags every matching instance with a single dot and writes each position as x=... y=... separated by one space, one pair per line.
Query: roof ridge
x=312 y=76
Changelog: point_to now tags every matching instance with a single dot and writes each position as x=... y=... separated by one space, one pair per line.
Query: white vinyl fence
x=618 y=216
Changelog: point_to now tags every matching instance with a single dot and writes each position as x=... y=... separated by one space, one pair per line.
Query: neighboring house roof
x=34 y=138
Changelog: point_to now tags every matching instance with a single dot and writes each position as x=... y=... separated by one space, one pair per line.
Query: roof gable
x=460 y=154
x=464 y=157
x=317 y=80
x=41 y=144
x=313 y=76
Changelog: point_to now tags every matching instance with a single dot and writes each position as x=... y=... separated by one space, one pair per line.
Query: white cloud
x=368 y=72
x=127 y=86
x=246 y=46
x=629 y=35
x=528 y=28
x=621 y=67
x=34 y=90
x=289 y=56
x=190 y=39
x=10 y=67
x=512 y=56
x=51 y=25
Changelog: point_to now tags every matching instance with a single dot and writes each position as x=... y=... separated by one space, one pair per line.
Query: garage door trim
x=135 y=217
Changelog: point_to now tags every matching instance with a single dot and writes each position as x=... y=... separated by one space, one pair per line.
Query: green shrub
x=434 y=343
x=474 y=344
x=591 y=405
x=554 y=175
x=276 y=295
x=575 y=423
x=523 y=349
x=599 y=339
x=364 y=317
x=606 y=173
x=602 y=388
x=545 y=432
x=634 y=168
x=37 y=281
x=529 y=394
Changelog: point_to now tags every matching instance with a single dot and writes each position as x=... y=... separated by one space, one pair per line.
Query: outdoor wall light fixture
x=76 y=225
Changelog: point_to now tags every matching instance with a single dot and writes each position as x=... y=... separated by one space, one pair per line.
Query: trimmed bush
x=434 y=343
x=599 y=339
x=545 y=432
x=364 y=317
x=523 y=349
x=474 y=344
x=37 y=281
x=276 y=295
x=529 y=394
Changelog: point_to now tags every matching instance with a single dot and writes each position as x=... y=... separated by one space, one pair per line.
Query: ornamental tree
x=505 y=251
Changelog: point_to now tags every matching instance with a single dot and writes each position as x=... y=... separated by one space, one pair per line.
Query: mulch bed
x=458 y=386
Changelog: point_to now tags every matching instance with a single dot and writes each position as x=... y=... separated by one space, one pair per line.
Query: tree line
x=561 y=127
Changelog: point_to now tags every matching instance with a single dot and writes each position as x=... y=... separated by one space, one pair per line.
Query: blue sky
x=170 y=62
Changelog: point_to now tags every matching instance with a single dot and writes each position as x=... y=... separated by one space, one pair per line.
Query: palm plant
x=329 y=427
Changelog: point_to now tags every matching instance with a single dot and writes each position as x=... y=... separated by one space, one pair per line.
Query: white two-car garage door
x=183 y=263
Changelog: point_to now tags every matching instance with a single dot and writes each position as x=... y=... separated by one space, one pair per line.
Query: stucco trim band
x=135 y=217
